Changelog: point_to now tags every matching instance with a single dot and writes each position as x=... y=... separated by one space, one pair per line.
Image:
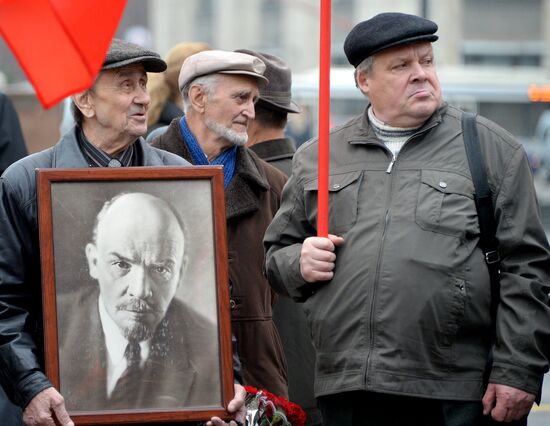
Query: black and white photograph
x=136 y=295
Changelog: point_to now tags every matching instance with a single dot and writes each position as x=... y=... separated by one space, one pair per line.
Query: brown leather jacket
x=251 y=201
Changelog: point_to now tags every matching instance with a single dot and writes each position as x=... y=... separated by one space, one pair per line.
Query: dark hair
x=269 y=117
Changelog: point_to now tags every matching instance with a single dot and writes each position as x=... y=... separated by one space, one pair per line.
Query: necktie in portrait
x=126 y=389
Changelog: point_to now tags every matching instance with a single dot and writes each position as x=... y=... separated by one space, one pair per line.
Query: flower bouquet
x=265 y=409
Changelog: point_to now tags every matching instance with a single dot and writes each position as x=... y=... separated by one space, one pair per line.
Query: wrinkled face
x=229 y=109
x=137 y=260
x=120 y=101
x=402 y=85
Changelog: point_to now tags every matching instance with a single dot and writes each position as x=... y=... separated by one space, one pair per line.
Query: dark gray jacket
x=407 y=311
x=277 y=152
x=21 y=346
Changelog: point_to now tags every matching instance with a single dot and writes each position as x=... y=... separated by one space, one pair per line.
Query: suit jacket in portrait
x=181 y=371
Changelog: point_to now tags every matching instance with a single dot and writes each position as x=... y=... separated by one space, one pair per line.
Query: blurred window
x=514 y=39
x=343 y=20
x=204 y=13
x=271 y=14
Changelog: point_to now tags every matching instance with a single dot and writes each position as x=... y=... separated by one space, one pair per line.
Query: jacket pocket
x=455 y=310
x=445 y=204
x=432 y=330
x=343 y=201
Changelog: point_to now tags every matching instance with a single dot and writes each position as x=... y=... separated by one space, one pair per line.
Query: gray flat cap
x=386 y=30
x=222 y=62
x=276 y=94
x=122 y=53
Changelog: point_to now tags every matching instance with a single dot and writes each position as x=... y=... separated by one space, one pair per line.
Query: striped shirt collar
x=97 y=158
x=385 y=131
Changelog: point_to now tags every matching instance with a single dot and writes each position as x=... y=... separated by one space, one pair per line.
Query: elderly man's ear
x=91 y=255
x=182 y=270
x=84 y=103
x=362 y=82
x=197 y=97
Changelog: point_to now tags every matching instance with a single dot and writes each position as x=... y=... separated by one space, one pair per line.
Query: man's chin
x=230 y=135
x=424 y=110
x=137 y=131
x=138 y=331
x=239 y=139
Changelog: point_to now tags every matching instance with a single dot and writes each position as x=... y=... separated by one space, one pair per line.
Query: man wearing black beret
x=111 y=118
x=399 y=297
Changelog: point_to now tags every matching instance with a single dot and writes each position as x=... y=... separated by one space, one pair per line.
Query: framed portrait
x=135 y=292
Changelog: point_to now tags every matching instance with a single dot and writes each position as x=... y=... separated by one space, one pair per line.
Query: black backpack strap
x=486 y=217
x=484 y=205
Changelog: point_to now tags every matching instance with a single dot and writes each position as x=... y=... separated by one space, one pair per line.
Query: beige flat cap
x=220 y=61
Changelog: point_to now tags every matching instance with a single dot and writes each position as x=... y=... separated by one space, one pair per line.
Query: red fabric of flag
x=60 y=44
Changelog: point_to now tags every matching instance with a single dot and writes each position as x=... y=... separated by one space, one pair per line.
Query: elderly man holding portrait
x=111 y=118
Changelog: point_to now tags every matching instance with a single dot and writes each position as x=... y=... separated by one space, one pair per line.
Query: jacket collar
x=364 y=134
x=67 y=153
x=242 y=196
x=275 y=149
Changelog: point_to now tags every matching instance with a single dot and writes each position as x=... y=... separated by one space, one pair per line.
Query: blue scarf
x=227 y=159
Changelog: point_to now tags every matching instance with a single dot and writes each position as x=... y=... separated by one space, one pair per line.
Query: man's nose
x=142 y=96
x=249 y=111
x=418 y=72
x=140 y=284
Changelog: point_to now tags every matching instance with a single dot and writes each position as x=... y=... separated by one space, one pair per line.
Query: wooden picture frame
x=121 y=276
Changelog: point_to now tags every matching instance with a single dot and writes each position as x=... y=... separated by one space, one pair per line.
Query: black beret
x=122 y=53
x=386 y=30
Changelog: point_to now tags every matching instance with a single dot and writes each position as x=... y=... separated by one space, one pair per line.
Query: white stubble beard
x=230 y=135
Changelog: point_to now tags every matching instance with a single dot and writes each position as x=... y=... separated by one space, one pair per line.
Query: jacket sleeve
x=20 y=298
x=522 y=347
x=12 y=145
x=283 y=243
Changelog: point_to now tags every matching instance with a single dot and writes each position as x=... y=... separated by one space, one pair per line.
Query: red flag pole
x=324 y=119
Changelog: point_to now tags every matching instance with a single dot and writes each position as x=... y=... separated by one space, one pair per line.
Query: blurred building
x=500 y=46
x=491 y=50
x=472 y=32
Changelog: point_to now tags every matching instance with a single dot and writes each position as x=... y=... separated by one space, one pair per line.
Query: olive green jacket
x=408 y=309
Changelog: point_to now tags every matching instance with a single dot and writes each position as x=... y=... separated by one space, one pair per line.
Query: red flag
x=324 y=120
x=60 y=44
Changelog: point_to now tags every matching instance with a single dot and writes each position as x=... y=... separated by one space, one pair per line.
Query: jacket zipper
x=381 y=249
x=378 y=262
x=392 y=162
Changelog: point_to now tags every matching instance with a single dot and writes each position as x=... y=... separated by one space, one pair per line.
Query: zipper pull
x=390 y=167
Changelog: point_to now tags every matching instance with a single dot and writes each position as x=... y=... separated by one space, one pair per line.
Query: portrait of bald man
x=125 y=339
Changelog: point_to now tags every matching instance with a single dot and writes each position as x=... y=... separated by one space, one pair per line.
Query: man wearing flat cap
x=219 y=90
x=110 y=118
x=266 y=133
x=399 y=296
